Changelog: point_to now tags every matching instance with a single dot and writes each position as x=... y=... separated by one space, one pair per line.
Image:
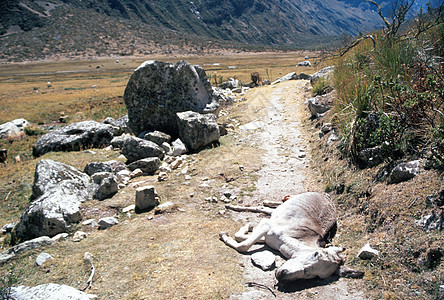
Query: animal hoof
x=223 y=234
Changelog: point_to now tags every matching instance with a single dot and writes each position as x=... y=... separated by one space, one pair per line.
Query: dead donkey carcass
x=299 y=229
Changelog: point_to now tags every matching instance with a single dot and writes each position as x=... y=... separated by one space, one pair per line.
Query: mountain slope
x=37 y=29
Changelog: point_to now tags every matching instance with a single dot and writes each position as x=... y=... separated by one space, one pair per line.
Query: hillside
x=61 y=28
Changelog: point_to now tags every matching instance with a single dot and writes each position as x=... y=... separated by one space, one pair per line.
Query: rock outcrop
x=324 y=73
x=74 y=137
x=57 y=193
x=197 y=130
x=158 y=90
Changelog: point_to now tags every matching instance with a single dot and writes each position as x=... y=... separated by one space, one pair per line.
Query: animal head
x=311 y=263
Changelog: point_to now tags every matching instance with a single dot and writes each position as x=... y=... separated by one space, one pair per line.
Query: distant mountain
x=31 y=29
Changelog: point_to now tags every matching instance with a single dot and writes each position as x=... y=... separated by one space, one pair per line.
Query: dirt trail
x=285 y=162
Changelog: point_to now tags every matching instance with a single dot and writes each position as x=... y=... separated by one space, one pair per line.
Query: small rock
x=60 y=236
x=367 y=252
x=166 y=207
x=108 y=222
x=42 y=258
x=176 y=163
x=136 y=173
x=146 y=198
x=167 y=148
x=346 y=272
x=89 y=222
x=78 y=236
x=163 y=176
x=179 y=148
x=405 y=171
x=264 y=259
x=129 y=208
x=188 y=177
x=211 y=199
x=432 y=221
x=8 y=227
x=327 y=127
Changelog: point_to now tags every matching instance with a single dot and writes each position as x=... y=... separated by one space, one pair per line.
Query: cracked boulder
x=197 y=130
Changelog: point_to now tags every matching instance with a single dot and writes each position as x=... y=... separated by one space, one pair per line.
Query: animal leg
x=255 y=209
x=258 y=232
x=242 y=234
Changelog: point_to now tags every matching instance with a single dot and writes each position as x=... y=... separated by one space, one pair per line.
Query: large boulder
x=105 y=185
x=49 y=291
x=289 y=76
x=405 y=171
x=157 y=137
x=158 y=90
x=57 y=193
x=136 y=149
x=14 y=129
x=74 y=137
x=320 y=104
x=197 y=130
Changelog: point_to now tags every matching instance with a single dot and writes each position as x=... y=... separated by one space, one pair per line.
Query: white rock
x=42 y=258
x=89 y=222
x=60 y=236
x=129 y=208
x=50 y=291
x=163 y=176
x=252 y=125
x=108 y=222
x=179 y=148
x=136 y=173
x=165 y=208
x=367 y=252
x=167 y=148
x=265 y=260
x=78 y=236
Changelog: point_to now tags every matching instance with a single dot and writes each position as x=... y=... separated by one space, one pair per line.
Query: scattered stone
x=91 y=222
x=367 y=252
x=370 y=157
x=105 y=185
x=188 y=177
x=179 y=148
x=332 y=137
x=230 y=84
x=120 y=125
x=289 y=76
x=78 y=236
x=167 y=148
x=112 y=166
x=266 y=82
x=163 y=176
x=432 y=221
x=211 y=199
x=157 y=90
x=223 y=96
x=14 y=129
x=17 y=159
x=146 y=199
x=74 y=137
x=165 y=168
x=320 y=104
x=264 y=259
x=326 y=128
x=304 y=64
x=197 y=130
x=176 y=163
x=50 y=291
x=42 y=258
x=157 y=137
x=167 y=207
x=8 y=227
x=60 y=236
x=136 y=149
x=129 y=208
x=148 y=165
x=123 y=177
x=24 y=247
x=405 y=171
x=107 y=222
x=136 y=173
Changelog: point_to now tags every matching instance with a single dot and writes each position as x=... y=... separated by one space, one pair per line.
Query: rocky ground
x=285 y=171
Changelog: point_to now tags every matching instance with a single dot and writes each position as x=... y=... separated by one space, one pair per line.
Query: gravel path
x=284 y=164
